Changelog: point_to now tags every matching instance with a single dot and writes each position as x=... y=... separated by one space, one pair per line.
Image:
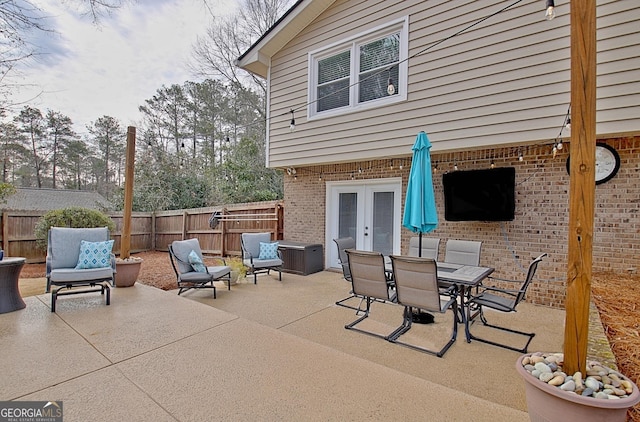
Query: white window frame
x=401 y=25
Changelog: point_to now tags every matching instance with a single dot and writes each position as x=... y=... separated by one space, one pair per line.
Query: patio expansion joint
x=302 y=318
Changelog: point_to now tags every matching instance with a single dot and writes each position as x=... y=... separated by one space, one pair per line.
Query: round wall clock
x=607 y=163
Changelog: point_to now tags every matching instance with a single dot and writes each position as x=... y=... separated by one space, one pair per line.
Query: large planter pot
x=127 y=272
x=548 y=403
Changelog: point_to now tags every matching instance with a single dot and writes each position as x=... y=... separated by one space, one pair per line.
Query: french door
x=368 y=211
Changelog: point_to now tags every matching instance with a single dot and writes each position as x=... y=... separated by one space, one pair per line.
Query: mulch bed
x=617 y=297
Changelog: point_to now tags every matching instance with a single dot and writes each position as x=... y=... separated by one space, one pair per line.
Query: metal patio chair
x=463 y=252
x=191 y=272
x=430 y=247
x=416 y=281
x=66 y=248
x=343 y=244
x=503 y=300
x=369 y=281
x=253 y=245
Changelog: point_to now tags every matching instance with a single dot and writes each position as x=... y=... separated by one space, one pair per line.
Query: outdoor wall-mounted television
x=480 y=195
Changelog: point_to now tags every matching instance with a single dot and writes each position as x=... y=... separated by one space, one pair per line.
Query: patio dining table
x=465 y=277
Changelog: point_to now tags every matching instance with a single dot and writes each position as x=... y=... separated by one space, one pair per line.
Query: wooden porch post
x=125 y=240
x=581 y=184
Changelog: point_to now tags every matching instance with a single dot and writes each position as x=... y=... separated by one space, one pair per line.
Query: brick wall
x=541 y=220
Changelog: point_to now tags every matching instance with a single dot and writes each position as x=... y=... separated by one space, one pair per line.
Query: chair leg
x=93 y=288
x=406 y=326
x=54 y=297
x=505 y=346
x=352 y=326
x=358 y=308
x=183 y=288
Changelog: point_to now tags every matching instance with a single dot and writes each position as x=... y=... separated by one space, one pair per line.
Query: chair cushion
x=219 y=271
x=182 y=248
x=64 y=244
x=196 y=262
x=251 y=243
x=94 y=254
x=195 y=277
x=263 y=263
x=268 y=250
x=71 y=275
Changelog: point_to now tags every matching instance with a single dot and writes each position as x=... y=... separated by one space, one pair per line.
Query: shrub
x=76 y=217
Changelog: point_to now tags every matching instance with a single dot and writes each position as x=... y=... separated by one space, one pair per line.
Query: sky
x=86 y=71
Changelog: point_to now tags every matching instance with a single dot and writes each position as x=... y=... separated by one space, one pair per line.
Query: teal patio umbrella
x=420 y=214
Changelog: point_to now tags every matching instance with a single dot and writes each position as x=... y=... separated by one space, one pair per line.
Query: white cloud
x=87 y=72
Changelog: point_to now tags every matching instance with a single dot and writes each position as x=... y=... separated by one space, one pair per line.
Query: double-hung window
x=367 y=71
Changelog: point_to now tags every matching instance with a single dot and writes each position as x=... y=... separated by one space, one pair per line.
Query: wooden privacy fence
x=155 y=231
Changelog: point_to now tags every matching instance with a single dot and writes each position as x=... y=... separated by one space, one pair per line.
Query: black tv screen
x=480 y=195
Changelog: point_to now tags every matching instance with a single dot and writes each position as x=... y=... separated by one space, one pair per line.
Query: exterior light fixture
x=292 y=126
x=391 y=89
x=550 y=12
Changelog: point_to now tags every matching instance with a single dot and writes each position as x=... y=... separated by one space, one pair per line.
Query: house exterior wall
x=505 y=81
x=541 y=219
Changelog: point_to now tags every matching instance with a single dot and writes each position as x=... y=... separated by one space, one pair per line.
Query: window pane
x=334 y=67
x=380 y=53
x=333 y=95
x=374 y=84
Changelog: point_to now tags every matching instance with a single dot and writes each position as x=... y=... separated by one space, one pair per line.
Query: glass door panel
x=383 y=221
x=348 y=215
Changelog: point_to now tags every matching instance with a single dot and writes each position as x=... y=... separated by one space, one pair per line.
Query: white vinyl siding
x=504 y=82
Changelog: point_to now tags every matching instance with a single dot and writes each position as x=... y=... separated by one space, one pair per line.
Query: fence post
x=223 y=233
x=153 y=231
x=5 y=233
x=184 y=225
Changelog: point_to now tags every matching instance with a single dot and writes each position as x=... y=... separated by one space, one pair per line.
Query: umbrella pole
x=420 y=245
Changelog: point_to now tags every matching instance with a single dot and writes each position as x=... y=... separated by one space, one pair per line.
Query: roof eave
x=258 y=57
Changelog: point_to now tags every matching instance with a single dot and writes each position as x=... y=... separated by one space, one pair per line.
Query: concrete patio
x=271 y=351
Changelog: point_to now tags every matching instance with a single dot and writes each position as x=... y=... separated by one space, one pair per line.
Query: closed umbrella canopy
x=420 y=213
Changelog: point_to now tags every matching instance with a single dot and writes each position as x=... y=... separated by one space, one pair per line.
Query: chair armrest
x=113 y=262
x=452 y=292
x=510 y=292
x=504 y=279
